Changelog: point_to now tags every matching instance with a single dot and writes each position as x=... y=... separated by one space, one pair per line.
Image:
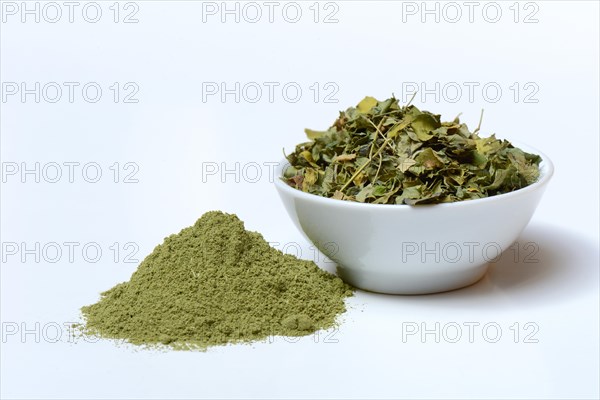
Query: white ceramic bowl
x=403 y=249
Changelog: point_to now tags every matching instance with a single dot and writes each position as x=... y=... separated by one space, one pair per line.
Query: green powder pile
x=215 y=283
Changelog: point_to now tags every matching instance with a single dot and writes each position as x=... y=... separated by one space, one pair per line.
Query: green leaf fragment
x=423 y=125
x=312 y=135
x=366 y=104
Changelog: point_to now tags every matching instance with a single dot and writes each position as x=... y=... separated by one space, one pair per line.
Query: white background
x=172 y=135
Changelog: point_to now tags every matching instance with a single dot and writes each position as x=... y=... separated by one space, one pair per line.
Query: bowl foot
x=422 y=283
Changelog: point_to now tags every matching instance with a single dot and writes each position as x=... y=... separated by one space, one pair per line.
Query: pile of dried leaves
x=383 y=153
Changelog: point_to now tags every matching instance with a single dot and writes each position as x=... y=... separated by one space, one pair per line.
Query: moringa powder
x=215 y=283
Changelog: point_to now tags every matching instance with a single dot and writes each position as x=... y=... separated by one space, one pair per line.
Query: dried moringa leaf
x=345 y=157
x=383 y=153
x=366 y=104
x=423 y=126
x=312 y=135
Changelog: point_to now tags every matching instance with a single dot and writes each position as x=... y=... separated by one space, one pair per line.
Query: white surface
x=170 y=134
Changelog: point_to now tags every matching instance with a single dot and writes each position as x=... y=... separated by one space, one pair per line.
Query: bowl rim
x=546 y=168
